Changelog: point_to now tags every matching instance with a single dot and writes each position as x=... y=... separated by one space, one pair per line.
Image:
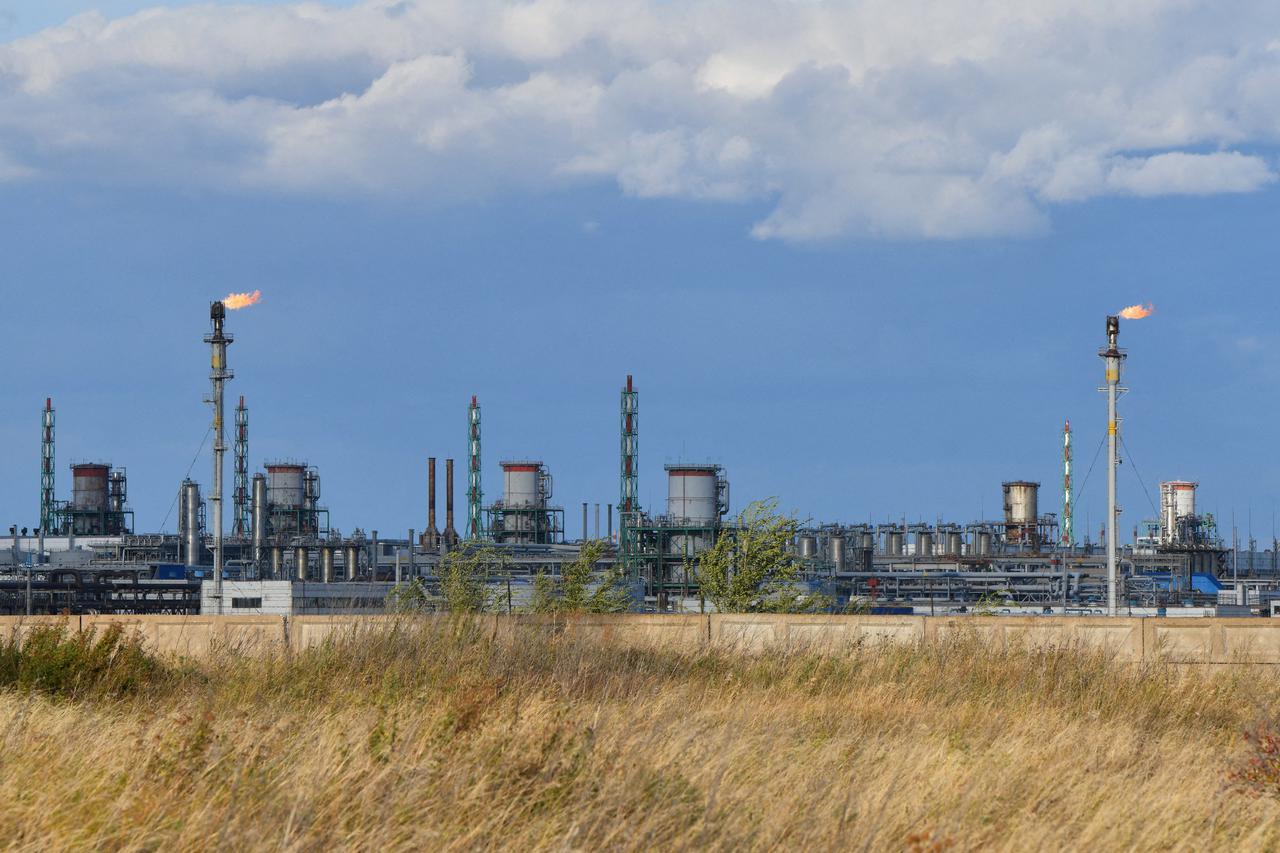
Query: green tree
x=411 y=597
x=749 y=568
x=581 y=588
x=463 y=574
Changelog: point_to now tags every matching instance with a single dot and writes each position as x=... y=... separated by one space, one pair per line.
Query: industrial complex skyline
x=870 y=374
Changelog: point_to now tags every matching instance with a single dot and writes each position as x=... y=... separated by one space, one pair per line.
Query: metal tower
x=243 y=522
x=48 y=509
x=1068 y=530
x=475 y=493
x=218 y=342
x=1112 y=357
x=628 y=504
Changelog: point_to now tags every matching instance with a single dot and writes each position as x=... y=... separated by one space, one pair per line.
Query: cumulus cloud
x=883 y=118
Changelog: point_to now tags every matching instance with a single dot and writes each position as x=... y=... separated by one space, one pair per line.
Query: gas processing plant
x=279 y=552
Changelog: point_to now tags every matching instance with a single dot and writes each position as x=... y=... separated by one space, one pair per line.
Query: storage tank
x=836 y=545
x=893 y=542
x=523 y=484
x=326 y=564
x=189 y=521
x=1177 y=503
x=286 y=485
x=982 y=542
x=1021 y=512
x=924 y=543
x=807 y=545
x=693 y=493
x=90 y=487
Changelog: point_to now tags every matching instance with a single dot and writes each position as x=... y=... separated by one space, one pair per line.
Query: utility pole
x=1112 y=356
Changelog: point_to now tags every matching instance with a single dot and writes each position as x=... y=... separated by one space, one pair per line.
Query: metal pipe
x=300 y=560
x=584 y=521
x=1112 y=358
x=431 y=533
x=411 y=572
x=218 y=375
x=609 y=515
x=277 y=562
x=352 y=561
x=597 y=536
x=450 y=534
x=190 y=518
x=259 y=520
x=373 y=556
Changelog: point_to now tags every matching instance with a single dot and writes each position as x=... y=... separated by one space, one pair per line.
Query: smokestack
x=1112 y=356
x=431 y=536
x=218 y=376
x=450 y=534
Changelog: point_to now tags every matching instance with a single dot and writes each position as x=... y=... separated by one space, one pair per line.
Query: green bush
x=54 y=660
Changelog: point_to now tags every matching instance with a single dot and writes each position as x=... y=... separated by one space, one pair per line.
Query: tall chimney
x=431 y=536
x=450 y=535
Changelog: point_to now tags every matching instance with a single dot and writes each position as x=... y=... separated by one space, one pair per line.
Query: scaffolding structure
x=629 y=516
x=240 y=493
x=475 y=492
x=1068 y=531
x=48 y=501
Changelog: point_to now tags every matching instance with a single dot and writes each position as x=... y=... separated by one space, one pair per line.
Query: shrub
x=54 y=660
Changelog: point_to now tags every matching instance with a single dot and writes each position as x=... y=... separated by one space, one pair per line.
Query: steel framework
x=48 y=503
x=628 y=506
x=475 y=492
x=240 y=495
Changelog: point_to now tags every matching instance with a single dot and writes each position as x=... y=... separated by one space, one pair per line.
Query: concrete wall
x=1182 y=641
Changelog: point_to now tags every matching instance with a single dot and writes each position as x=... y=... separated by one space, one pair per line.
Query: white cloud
x=882 y=118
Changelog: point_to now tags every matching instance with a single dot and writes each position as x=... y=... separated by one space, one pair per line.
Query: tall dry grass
x=436 y=736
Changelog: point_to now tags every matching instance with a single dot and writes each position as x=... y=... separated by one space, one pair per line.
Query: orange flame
x=1137 y=312
x=235 y=301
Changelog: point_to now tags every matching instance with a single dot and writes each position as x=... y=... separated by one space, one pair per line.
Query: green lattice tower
x=243 y=521
x=48 y=507
x=475 y=493
x=628 y=503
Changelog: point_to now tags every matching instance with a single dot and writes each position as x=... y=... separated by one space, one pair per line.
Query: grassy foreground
x=432 y=736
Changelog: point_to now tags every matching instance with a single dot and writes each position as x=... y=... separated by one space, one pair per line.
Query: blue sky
x=819 y=329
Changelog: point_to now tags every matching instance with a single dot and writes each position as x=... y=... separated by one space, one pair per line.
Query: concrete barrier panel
x=1180 y=640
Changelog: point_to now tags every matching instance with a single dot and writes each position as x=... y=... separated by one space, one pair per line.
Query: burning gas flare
x=1133 y=312
x=236 y=301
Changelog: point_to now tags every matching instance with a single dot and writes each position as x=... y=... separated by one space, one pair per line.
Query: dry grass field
x=433 y=736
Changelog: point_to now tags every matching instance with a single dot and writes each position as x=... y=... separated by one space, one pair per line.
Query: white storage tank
x=524 y=484
x=1021 y=512
x=693 y=493
x=286 y=485
x=1177 y=503
x=89 y=486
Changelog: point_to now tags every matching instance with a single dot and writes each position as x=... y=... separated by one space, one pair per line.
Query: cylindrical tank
x=924 y=543
x=693 y=493
x=807 y=545
x=326 y=564
x=1021 y=511
x=868 y=540
x=89 y=487
x=189 y=516
x=893 y=542
x=522 y=484
x=837 y=551
x=258 y=519
x=300 y=558
x=352 y=561
x=286 y=485
x=277 y=563
x=955 y=543
x=982 y=542
x=1177 y=502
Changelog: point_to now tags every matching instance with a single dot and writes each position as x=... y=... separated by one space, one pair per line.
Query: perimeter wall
x=1177 y=640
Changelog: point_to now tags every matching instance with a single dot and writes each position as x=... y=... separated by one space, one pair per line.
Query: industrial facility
x=284 y=554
